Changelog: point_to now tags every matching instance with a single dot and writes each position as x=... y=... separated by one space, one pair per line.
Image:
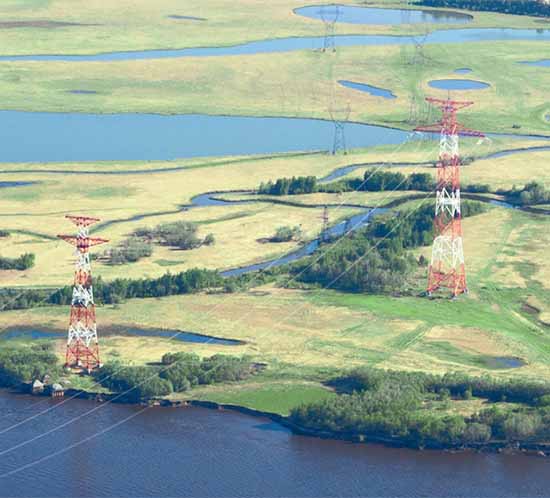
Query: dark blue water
x=51 y=137
x=373 y=90
x=302 y=43
x=453 y=84
x=368 y=15
x=37 y=334
x=15 y=184
x=122 y=451
x=541 y=63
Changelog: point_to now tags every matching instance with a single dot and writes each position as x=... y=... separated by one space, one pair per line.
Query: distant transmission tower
x=447 y=268
x=339 y=117
x=418 y=55
x=82 y=344
x=329 y=14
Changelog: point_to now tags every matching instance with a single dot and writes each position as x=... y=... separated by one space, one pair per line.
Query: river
x=205 y=453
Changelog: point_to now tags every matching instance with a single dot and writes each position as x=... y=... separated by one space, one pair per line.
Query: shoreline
x=527 y=448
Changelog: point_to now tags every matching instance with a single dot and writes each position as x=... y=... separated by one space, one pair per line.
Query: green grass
x=297 y=84
x=272 y=397
x=140 y=24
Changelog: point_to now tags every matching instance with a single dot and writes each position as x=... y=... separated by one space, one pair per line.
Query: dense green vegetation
x=532 y=193
x=128 y=251
x=187 y=282
x=517 y=7
x=179 y=372
x=180 y=234
x=286 y=234
x=19 y=364
x=374 y=259
x=403 y=406
x=373 y=180
x=21 y=263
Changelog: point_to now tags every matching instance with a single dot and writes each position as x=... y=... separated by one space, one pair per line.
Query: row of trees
x=532 y=193
x=179 y=372
x=373 y=180
x=187 y=282
x=518 y=7
x=180 y=234
x=21 y=263
x=392 y=405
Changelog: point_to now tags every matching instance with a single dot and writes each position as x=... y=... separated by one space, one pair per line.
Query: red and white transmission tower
x=447 y=268
x=82 y=343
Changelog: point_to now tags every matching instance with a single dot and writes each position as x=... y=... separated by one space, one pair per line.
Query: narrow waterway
x=204 y=453
x=300 y=43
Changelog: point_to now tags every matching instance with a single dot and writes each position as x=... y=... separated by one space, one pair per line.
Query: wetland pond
x=372 y=15
x=457 y=84
x=26 y=333
x=373 y=90
x=66 y=137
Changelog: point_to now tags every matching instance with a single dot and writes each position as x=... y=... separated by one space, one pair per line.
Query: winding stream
x=301 y=43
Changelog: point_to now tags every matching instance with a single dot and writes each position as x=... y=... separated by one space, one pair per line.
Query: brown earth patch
x=475 y=341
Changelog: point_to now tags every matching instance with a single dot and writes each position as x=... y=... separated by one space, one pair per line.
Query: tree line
x=401 y=406
x=373 y=180
x=516 y=7
x=530 y=194
x=178 y=372
x=21 y=263
x=374 y=259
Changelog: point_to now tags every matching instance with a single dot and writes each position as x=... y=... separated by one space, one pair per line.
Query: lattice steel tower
x=447 y=268
x=82 y=343
x=329 y=15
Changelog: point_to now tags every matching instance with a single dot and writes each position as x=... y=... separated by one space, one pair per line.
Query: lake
x=60 y=137
x=205 y=453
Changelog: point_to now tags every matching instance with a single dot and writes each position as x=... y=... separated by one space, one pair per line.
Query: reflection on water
x=368 y=15
x=208 y=453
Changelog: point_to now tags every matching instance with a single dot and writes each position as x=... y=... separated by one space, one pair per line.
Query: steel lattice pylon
x=82 y=343
x=447 y=269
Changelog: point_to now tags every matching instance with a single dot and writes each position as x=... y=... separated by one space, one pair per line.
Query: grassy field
x=35 y=213
x=139 y=25
x=301 y=84
x=306 y=336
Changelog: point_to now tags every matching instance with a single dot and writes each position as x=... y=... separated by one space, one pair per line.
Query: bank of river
x=209 y=453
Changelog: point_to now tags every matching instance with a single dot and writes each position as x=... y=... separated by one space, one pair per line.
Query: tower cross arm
x=78 y=241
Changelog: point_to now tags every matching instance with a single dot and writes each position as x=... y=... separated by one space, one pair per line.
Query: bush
x=23 y=262
x=4 y=233
x=286 y=234
x=129 y=251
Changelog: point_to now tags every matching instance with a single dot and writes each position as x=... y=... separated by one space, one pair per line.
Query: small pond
x=462 y=70
x=36 y=334
x=456 y=84
x=541 y=63
x=503 y=362
x=368 y=15
x=373 y=90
